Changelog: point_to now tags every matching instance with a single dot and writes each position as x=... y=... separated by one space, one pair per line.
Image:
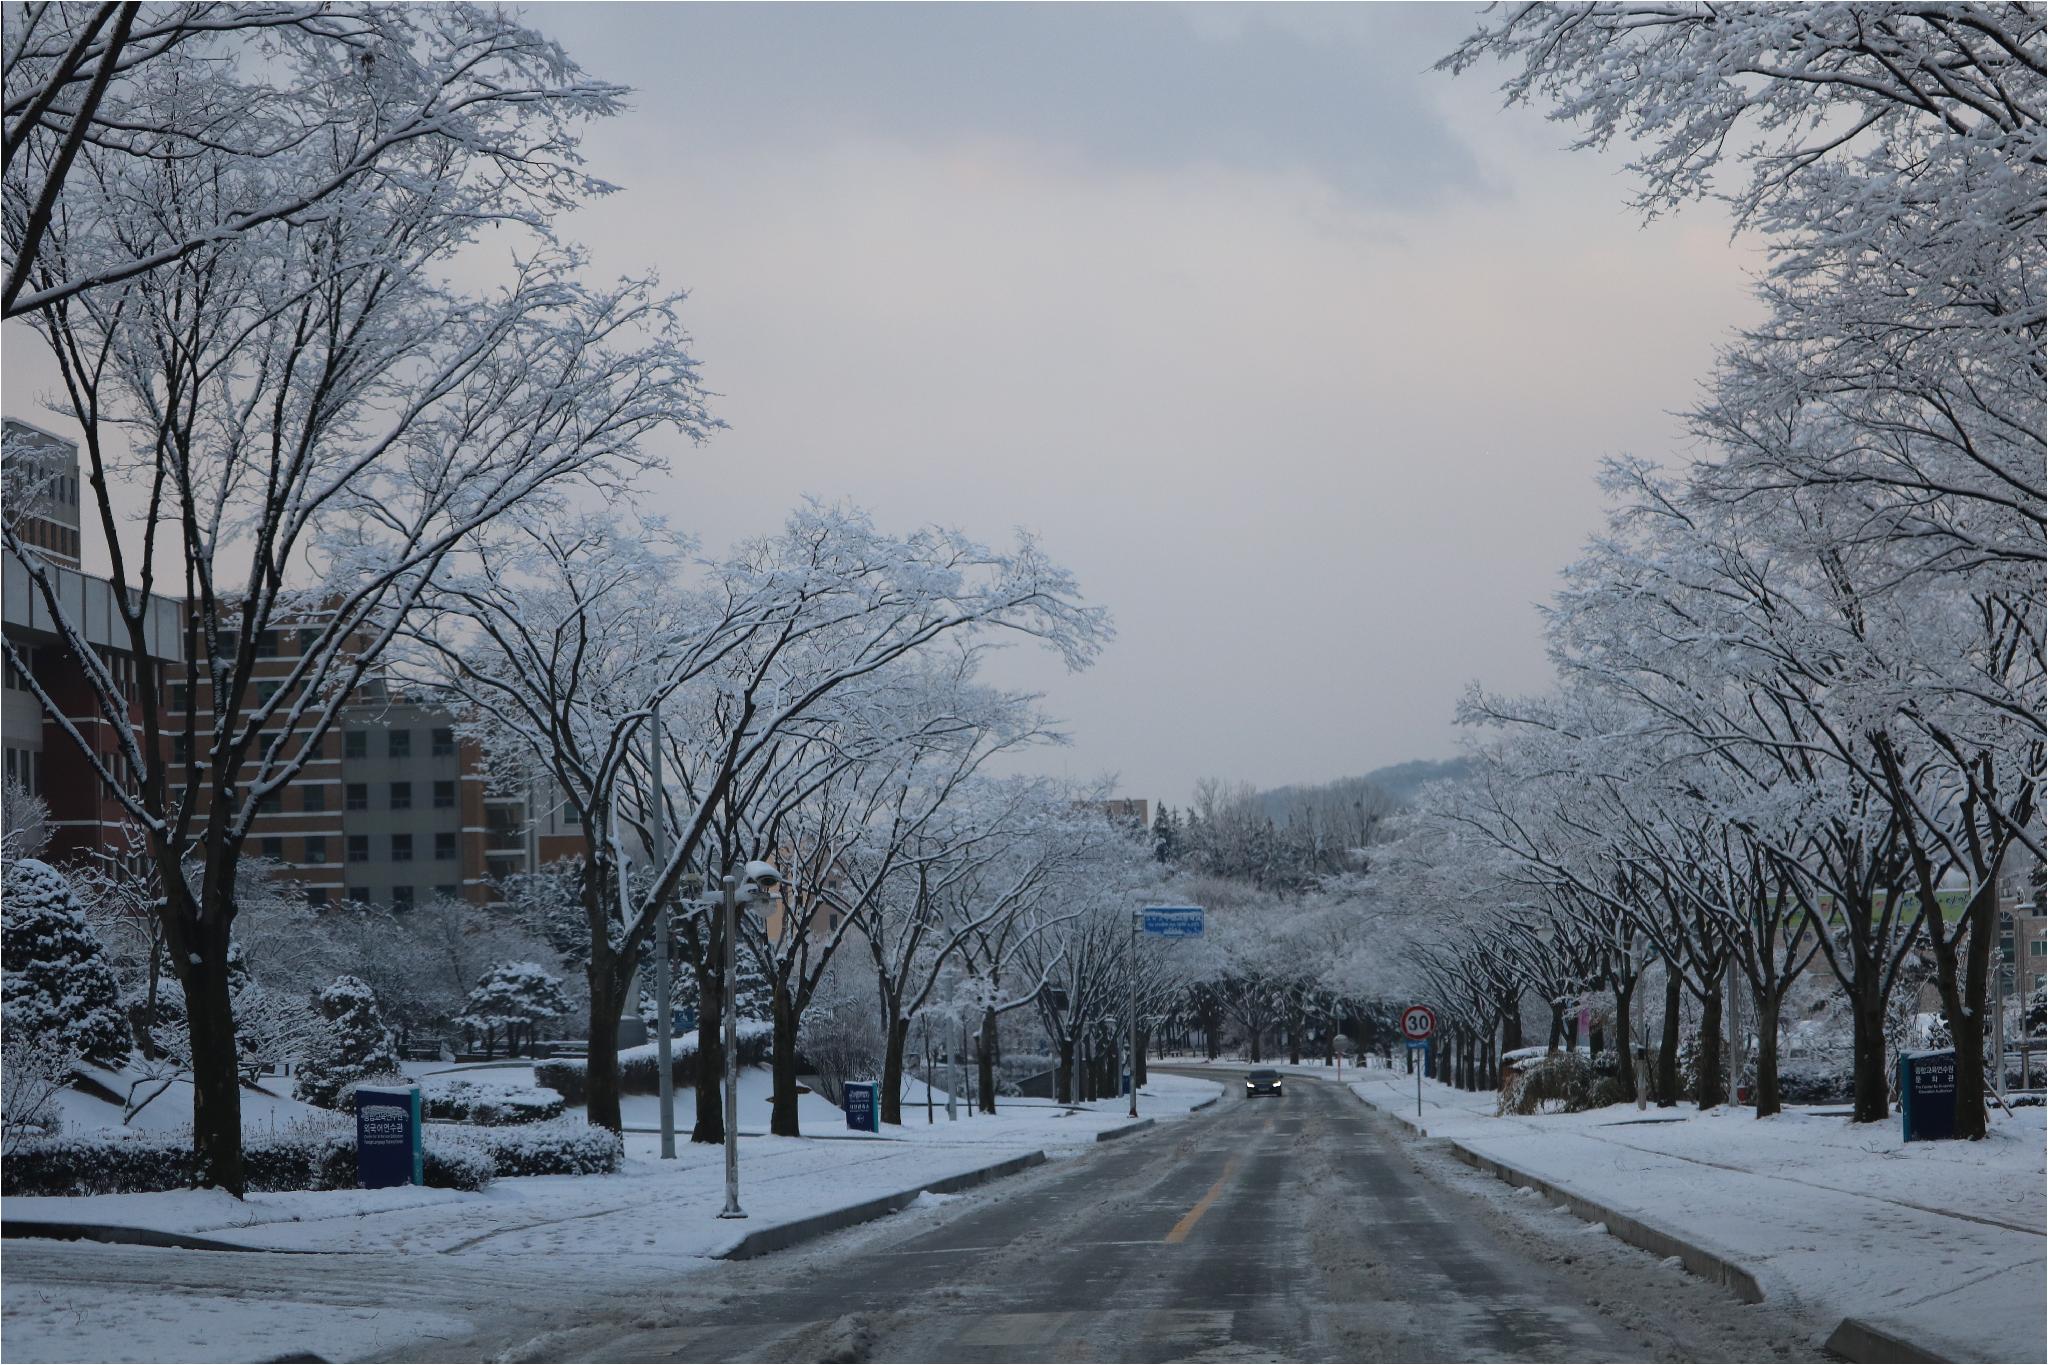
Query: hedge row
x=492 y=1107
x=455 y=1158
x=639 y=1074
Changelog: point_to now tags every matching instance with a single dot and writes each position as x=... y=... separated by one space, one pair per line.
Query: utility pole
x=664 y=986
x=732 y=1047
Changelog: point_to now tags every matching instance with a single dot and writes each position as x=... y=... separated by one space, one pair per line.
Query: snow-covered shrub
x=565 y=1146
x=352 y=1046
x=114 y=1163
x=30 y=1079
x=1564 y=1082
x=467 y=1101
x=61 y=994
x=638 y=1072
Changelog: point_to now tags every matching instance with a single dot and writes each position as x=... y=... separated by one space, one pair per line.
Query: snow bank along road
x=1301 y=1228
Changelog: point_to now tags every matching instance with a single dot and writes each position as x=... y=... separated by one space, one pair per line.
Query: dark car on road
x=1261 y=1082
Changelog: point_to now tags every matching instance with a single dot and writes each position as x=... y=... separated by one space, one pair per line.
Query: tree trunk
x=216 y=1080
x=1766 y=1092
x=782 y=1116
x=1873 y=1085
x=985 y=1061
x=710 y=1124
x=1667 y=1045
x=897 y=1040
x=1624 y=1037
x=1711 y=1092
x=1255 y=1044
x=1962 y=983
x=1556 y=1027
x=1138 y=1072
x=1293 y=1038
x=1511 y=1022
x=1063 y=1074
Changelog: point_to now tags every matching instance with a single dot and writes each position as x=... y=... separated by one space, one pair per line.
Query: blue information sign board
x=1927 y=1095
x=388 y=1146
x=863 y=1114
x=1173 y=921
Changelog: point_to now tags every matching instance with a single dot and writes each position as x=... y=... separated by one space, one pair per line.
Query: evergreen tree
x=61 y=991
x=1166 y=836
x=353 y=1043
x=510 y=996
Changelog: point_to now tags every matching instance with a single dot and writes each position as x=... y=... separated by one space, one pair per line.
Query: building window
x=271 y=803
x=316 y=849
x=316 y=896
x=401 y=848
x=444 y=847
x=273 y=848
x=2038 y=948
x=266 y=644
x=181 y=748
x=264 y=692
x=444 y=796
x=359 y=895
x=355 y=744
x=181 y=697
x=401 y=796
x=400 y=742
x=314 y=797
x=356 y=796
x=401 y=898
x=448 y=891
x=359 y=848
x=571 y=816
x=444 y=742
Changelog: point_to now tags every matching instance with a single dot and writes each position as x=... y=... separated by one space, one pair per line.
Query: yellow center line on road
x=1188 y=1220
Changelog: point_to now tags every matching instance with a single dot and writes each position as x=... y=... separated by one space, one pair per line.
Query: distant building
x=39 y=755
x=1133 y=810
x=42 y=488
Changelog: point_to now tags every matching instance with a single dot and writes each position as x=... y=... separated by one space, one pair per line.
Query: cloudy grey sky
x=1300 y=354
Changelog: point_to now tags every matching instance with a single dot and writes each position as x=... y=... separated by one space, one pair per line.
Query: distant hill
x=1403 y=780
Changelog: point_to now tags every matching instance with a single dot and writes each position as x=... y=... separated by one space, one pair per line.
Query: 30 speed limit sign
x=1418 y=1022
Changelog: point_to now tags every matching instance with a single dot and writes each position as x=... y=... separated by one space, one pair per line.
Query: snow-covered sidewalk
x=1937 y=1244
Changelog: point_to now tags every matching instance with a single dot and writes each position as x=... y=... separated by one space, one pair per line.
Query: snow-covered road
x=1304 y=1228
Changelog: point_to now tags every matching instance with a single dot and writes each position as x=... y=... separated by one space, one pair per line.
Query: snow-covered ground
x=782 y=1179
x=1939 y=1242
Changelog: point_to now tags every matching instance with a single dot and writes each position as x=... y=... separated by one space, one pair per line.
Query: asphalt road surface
x=1302 y=1227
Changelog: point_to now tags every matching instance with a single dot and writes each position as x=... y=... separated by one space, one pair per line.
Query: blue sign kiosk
x=1927 y=1095
x=388 y=1137
x=863 y=1112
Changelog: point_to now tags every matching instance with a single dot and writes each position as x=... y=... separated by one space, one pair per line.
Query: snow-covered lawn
x=665 y=1208
x=1939 y=1242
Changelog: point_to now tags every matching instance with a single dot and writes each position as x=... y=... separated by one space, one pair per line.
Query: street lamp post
x=1136 y=915
x=732 y=1070
x=664 y=985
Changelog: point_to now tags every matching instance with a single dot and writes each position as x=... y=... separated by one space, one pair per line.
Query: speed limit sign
x=1418 y=1022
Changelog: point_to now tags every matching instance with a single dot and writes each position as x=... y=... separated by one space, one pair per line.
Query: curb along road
x=785 y=1235
x=1852 y=1339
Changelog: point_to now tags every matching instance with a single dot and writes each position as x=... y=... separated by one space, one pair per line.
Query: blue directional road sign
x=863 y=1112
x=1173 y=921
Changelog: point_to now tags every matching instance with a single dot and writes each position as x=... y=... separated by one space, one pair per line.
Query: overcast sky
x=1300 y=354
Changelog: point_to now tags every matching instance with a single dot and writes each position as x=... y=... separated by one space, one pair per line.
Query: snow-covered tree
x=352 y=1043
x=297 y=421
x=61 y=993
x=86 y=105
x=513 y=996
